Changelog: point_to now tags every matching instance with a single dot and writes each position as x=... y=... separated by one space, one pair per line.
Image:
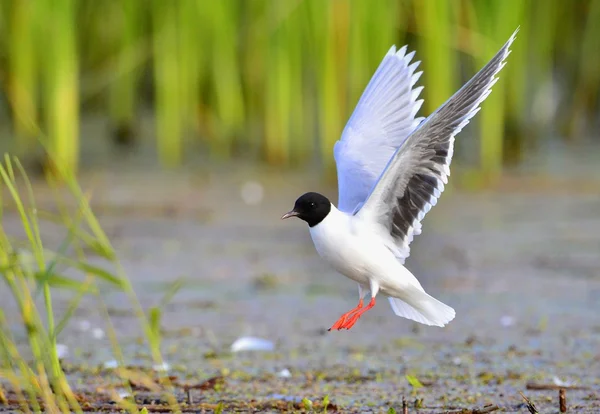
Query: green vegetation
x=414 y=382
x=29 y=268
x=274 y=78
x=280 y=78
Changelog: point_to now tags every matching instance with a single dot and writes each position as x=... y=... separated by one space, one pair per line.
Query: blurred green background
x=275 y=81
x=159 y=85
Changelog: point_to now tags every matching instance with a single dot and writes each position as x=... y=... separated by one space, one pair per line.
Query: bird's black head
x=310 y=207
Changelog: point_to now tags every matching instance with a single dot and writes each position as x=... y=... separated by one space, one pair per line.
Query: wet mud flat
x=521 y=268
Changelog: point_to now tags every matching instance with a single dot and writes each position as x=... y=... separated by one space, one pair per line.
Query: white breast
x=340 y=243
x=357 y=251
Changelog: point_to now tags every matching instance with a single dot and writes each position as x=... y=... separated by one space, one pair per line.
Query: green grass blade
x=97 y=271
x=56 y=280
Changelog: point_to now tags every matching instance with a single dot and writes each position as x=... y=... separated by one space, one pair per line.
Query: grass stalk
x=49 y=384
x=513 y=13
x=386 y=25
x=61 y=97
x=23 y=82
x=123 y=90
x=491 y=118
x=587 y=96
x=434 y=21
x=255 y=37
x=544 y=14
x=300 y=144
x=75 y=235
x=104 y=245
x=229 y=110
x=13 y=361
x=42 y=341
x=191 y=55
x=330 y=27
x=360 y=65
x=167 y=86
x=279 y=99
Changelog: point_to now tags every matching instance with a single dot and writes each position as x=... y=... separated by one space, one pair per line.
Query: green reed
x=330 y=60
x=490 y=120
x=22 y=70
x=287 y=138
x=278 y=99
x=45 y=378
x=546 y=15
x=436 y=34
x=28 y=267
x=191 y=55
x=372 y=32
x=167 y=85
x=587 y=95
x=300 y=129
x=61 y=80
x=123 y=90
x=279 y=79
x=228 y=108
x=514 y=84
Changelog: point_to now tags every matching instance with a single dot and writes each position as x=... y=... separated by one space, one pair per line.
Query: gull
x=391 y=168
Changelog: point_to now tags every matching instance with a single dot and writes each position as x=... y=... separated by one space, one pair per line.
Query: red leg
x=344 y=317
x=350 y=323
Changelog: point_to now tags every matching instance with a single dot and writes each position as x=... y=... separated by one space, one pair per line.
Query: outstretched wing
x=381 y=121
x=415 y=176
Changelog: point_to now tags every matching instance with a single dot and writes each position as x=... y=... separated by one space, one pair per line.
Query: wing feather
x=383 y=118
x=414 y=177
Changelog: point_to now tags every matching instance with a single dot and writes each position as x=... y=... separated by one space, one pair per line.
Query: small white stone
x=284 y=373
x=507 y=321
x=112 y=364
x=98 y=333
x=558 y=382
x=124 y=394
x=162 y=367
x=62 y=351
x=250 y=343
x=456 y=361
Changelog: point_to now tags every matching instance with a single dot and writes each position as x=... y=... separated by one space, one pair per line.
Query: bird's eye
x=312 y=205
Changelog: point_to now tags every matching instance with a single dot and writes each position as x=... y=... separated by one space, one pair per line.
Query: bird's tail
x=419 y=306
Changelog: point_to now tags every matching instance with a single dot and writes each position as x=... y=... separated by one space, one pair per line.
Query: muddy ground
x=520 y=266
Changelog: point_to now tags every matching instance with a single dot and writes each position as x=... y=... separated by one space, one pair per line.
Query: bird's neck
x=334 y=218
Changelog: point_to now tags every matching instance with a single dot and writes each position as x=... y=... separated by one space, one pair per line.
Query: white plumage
x=392 y=168
x=383 y=118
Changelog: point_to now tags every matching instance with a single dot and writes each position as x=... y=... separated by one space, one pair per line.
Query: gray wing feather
x=414 y=177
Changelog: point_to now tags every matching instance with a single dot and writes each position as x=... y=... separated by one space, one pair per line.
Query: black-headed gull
x=392 y=168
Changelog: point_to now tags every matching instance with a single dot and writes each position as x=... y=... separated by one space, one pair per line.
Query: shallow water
x=520 y=266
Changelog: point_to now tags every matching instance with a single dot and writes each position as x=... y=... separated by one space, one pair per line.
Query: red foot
x=344 y=317
x=350 y=323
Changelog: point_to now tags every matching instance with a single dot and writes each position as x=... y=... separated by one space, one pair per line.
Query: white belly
x=356 y=254
x=341 y=259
